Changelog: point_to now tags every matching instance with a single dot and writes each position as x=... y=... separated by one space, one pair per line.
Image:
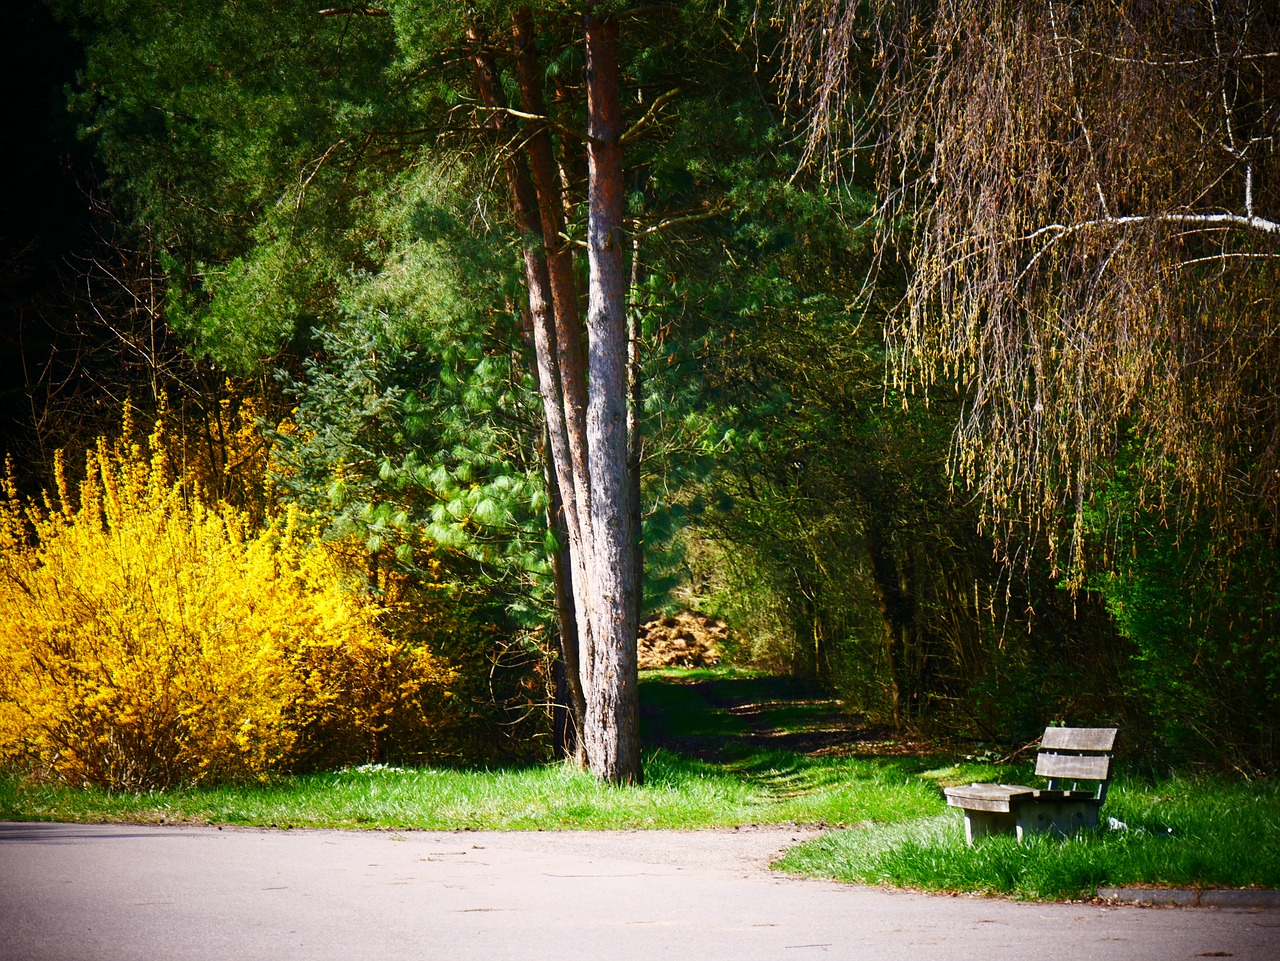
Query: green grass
x=678 y=793
x=744 y=785
x=896 y=828
x=1179 y=833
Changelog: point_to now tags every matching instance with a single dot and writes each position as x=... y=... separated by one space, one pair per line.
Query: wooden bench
x=1067 y=755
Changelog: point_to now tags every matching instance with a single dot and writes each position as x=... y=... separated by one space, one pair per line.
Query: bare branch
x=1228 y=255
x=353 y=12
x=532 y=117
x=679 y=220
x=1208 y=220
x=652 y=112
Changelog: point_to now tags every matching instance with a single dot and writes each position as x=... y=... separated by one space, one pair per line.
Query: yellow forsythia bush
x=148 y=639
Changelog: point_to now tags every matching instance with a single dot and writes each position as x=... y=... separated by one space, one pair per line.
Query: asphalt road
x=166 y=893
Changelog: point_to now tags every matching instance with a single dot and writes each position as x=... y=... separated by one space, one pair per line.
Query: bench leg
x=981 y=823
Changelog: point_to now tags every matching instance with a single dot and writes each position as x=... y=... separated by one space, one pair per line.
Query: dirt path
x=814 y=724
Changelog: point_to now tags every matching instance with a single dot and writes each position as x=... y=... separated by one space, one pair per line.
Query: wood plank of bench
x=1046 y=814
x=1079 y=738
x=1000 y=798
x=1073 y=766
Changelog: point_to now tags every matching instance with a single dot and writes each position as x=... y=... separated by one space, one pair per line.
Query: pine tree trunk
x=570 y=334
x=612 y=724
x=635 y=443
x=570 y=708
x=583 y=382
x=569 y=571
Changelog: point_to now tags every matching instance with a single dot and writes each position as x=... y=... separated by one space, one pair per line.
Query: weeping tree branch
x=1248 y=220
x=1082 y=197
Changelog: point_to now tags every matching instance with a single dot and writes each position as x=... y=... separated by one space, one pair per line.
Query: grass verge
x=1177 y=833
x=763 y=788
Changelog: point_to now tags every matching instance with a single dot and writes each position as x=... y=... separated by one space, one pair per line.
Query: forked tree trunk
x=582 y=377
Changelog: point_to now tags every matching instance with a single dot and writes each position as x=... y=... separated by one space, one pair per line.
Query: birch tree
x=1086 y=196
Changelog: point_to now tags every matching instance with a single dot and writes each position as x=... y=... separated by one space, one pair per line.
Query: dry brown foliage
x=683 y=639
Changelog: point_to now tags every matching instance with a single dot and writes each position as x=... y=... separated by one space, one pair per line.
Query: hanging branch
x=1059 y=182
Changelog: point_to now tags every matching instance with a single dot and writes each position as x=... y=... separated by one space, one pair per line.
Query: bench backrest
x=1076 y=754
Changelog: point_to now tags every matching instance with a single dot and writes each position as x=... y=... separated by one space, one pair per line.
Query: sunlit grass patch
x=1175 y=833
x=678 y=792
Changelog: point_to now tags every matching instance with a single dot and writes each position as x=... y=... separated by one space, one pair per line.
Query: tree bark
x=612 y=728
x=571 y=601
x=570 y=334
x=583 y=381
x=570 y=708
x=897 y=613
x=635 y=442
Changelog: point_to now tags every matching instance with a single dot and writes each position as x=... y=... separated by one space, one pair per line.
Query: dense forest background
x=287 y=232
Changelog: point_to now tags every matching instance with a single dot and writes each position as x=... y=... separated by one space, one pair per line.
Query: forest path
x=723 y=718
